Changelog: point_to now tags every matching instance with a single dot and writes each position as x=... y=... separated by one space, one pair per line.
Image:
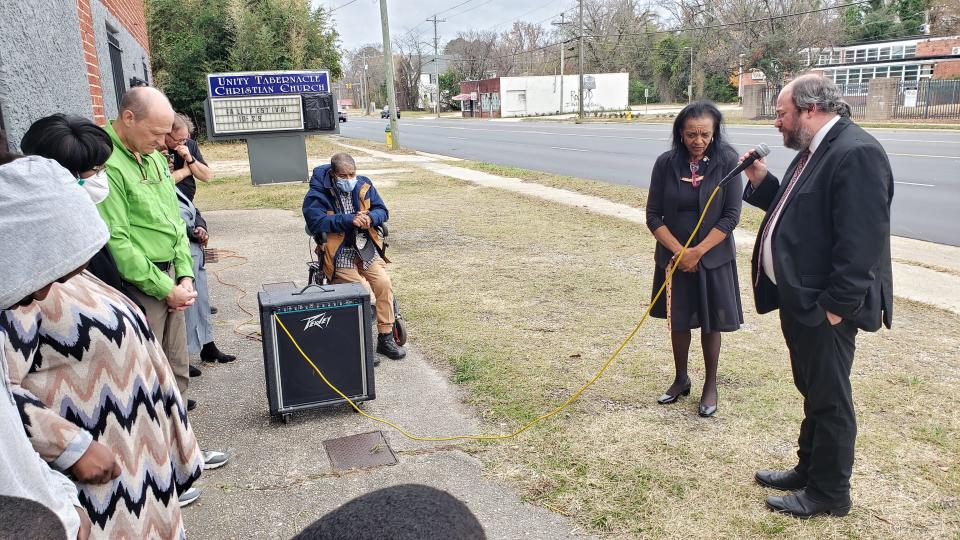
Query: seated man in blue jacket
x=348 y=208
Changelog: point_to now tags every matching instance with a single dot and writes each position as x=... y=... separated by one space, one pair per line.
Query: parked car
x=385 y=113
x=343 y=115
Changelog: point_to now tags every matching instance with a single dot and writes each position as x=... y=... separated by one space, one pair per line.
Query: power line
x=341 y=6
x=524 y=14
x=724 y=25
x=470 y=9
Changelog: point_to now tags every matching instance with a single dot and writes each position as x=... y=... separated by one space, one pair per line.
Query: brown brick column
x=90 y=57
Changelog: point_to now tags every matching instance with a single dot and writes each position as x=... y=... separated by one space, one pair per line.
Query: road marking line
x=570 y=149
x=915 y=184
x=922 y=155
x=458 y=138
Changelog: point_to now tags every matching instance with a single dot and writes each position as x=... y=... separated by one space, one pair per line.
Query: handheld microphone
x=762 y=150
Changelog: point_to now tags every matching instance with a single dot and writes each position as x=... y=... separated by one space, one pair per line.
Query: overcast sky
x=359 y=22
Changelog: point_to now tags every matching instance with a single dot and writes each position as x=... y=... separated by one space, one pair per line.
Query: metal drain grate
x=360 y=451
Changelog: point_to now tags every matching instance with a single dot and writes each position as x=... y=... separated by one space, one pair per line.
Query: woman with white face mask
x=81 y=147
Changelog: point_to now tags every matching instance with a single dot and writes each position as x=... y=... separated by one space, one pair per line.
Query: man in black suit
x=823 y=258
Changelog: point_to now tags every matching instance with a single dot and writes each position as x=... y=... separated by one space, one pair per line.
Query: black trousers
x=821 y=358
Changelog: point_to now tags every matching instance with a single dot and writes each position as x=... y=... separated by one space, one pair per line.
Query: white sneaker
x=213 y=459
x=189 y=496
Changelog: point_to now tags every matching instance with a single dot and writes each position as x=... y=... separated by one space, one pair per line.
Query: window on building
x=897 y=52
x=840 y=77
x=881 y=72
x=884 y=53
x=849 y=56
x=861 y=56
x=910 y=51
x=910 y=72
x=926 y=71
x=116 y=63
x=853 y=76
x=896 y=72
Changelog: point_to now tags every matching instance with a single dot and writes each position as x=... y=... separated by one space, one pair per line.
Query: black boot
x=195 y=371
x=388 y=347
x=210 y=353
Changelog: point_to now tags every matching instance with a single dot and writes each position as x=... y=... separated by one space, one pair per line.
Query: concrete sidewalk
x=922 y=271
x=280 y=479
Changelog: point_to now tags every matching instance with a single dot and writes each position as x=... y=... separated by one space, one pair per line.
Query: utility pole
x=363 y=82
x=563 y=46
x=388 y=67
x=690 y=79
x=580 y=113
x=436 y=58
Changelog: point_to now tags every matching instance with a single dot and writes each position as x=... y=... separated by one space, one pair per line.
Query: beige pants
x=170 y=329
x=377 y=281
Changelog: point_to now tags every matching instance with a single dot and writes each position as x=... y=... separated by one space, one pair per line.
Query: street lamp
x=690 y=79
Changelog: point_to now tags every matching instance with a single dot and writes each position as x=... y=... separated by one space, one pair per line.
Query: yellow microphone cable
x=576 y=395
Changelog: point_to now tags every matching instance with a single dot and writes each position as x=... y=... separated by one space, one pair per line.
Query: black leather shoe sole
x=839 y=511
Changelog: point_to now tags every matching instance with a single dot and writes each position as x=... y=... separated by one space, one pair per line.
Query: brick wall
x=947 y=69
x=937 y=47
x=90 y=58
x=132 y=15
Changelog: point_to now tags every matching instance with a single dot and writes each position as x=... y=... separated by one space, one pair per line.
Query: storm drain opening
x=361 y=451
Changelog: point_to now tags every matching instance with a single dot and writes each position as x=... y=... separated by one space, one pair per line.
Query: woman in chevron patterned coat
x=95 y=392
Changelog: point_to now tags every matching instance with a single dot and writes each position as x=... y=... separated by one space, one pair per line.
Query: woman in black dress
x=703 y=292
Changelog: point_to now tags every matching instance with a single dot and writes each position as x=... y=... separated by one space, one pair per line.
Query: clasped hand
x=361 y=220
x=690 y=261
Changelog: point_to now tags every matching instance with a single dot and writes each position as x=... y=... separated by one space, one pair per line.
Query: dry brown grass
x=750 y=216
x=522 y=300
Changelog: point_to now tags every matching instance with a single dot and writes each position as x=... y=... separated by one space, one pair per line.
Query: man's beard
x=798 y=139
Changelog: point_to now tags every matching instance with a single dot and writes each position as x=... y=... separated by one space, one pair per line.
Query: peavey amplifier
x=331 y=325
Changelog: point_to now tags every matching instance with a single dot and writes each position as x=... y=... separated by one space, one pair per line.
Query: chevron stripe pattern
x=85 y=359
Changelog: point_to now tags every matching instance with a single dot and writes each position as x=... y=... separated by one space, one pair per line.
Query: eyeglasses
x=143 y=173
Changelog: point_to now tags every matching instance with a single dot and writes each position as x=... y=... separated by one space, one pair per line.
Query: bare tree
x=771 y=34
x=474 y=51
x=944 y=17
x=408 y=58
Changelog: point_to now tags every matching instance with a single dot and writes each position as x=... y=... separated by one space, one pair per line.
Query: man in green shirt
x=147 y=235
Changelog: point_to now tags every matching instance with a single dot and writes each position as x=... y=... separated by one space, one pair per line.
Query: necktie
x=801 y=163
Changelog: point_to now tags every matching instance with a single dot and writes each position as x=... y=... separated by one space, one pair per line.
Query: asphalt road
x=926 y=163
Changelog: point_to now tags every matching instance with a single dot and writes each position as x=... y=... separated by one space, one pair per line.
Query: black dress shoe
x=666 y=399
x=195 y=371
x=191 y=404
x=387 y=346
x=210 y=353
x=213 y=310
x=783 y=480
x=799 y=504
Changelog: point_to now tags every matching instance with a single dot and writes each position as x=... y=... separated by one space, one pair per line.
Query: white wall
x=524 y=96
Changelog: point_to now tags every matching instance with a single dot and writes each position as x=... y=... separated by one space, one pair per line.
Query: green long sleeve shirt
x=143 y=216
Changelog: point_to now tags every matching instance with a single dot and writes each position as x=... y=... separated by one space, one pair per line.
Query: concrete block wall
x=882 y=97
x=42 y=65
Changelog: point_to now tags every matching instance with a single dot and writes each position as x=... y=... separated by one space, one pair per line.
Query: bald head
x=143 y=101
x=146 y=116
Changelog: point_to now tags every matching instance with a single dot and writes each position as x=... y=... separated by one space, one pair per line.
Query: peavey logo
x=320 y=320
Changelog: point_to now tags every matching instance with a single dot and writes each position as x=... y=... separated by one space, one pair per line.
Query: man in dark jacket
x=348 y=208
x=822 y=258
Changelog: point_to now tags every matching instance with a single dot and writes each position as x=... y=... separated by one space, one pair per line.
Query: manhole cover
x=359 y=451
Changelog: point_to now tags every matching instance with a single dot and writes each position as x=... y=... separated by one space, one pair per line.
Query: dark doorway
x=116 y=64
